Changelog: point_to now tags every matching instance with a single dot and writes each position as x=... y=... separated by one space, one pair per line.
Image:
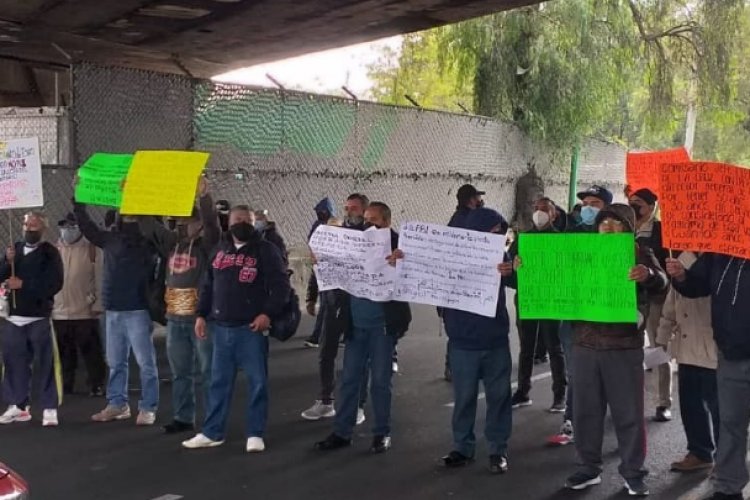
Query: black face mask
x=129 y=227
x=637 y=209
x=32 y=237
x=182 y=232
x=242 y=231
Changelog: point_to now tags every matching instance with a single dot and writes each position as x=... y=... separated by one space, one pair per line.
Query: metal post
x=573 y=183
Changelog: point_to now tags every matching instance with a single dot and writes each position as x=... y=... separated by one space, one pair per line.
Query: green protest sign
x=577 y=277
x=100 y=179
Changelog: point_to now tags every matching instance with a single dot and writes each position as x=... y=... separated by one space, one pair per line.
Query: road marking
x=514 y=386
x=168 y=497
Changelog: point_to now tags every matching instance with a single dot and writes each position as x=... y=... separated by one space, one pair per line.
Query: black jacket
x=242 y=284
x=727 y=281
x=42 y=274
x=271 y=235
x=128 y=263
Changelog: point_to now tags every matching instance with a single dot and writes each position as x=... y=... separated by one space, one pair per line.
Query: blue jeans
x=366 y=345
x=237 y=348
x=182 y=349
x=128 y=330
x=493 y=368
x=566 y=339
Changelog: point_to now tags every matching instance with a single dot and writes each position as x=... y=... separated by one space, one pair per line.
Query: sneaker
x=49 y=418
x=110 y=413
x=498 y=464
x=255 y=445
x=663 y=414
x=380 y=444
x=581 y=480
x=332 y=442
x=15 y=414
x=564 y=437
x=200 y=441
x=636 y=487
x=455 y=459
x=725 y=496
x=519 y=400
x=176 y=427
x=312 y=342
x=96 y=392
x=690 y=463
x=318 y=411
x=145 y=418
x=361 y=416
x=558 y=407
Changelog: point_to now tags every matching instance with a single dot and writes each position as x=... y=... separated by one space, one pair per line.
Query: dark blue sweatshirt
x=128 y=262
x=727 y=281
x=41 y=272
x=243 y=283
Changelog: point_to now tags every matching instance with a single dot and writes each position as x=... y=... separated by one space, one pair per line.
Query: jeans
x=533 y=333
x=493 y=368
x=365 y=345
x=566 y=340
x=237 y=348
x=699 y=408
x=128 y=330
x=182 y=349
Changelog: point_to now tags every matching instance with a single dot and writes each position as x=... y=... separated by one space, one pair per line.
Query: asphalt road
x=118 y=461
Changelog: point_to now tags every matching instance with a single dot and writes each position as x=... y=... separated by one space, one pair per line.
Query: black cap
x=646 y=195
x=602 y=193
x=69 y=220
x=467 y=192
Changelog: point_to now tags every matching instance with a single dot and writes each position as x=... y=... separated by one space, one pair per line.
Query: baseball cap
x=69 y=220
x=597 y=192
x=467 y=191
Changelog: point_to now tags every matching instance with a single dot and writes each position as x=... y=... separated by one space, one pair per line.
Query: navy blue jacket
x=128 y=263
x=727 y=281
x=42 y=274
x=242 y=284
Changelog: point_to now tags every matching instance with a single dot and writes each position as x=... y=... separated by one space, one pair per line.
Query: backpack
x=285 y=325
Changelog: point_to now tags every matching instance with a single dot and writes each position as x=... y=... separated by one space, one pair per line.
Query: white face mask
x=541 y=219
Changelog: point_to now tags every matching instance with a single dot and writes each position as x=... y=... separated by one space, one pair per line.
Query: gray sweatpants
x=614 y=379
x=733 y=379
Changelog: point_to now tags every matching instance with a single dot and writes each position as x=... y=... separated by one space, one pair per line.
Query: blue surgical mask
x=588 y=215
x=260 y=225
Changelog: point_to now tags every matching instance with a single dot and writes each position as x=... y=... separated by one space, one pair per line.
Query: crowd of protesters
x=218 y=279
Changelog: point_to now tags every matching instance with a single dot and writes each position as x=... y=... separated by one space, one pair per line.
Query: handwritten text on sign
x=20 y=174
x=449 y=267
x=354 y=261
x=100 y=179
x=705 y=207
x=577 y=277
x=642 y=169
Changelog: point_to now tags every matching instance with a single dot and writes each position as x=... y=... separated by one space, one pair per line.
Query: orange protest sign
x=705 y=207
x=642 y=169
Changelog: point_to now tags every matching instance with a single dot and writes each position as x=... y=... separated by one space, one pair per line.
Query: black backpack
x=285 y=325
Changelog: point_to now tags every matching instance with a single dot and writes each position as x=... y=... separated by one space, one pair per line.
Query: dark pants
x=80 y=334
x=699 y=408
x=20 y=345
x=492 y=367
x=614 y=379
x=318 y=328
x=566 y=340
x=331 y=334
x=532 y=332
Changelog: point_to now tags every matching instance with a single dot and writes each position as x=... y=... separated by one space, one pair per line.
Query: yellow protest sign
x=162 y=183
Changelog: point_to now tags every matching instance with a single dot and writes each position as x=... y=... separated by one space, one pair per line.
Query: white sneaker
x=395 y=367
x=361 y=416
x=200 y=441
x=255 y=445
x=49 y=418
x=318 y=411
x=145 y=418
x=15 y=414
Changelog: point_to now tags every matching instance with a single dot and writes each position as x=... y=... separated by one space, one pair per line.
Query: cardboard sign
x=162 y=183
x=20 y=174
x=577 y=277
x=705 y=207
x=100 y=179
x=642 y=169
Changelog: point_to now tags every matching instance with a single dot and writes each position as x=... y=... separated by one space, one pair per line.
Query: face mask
x=182 y=232
x=242 y=231
x=540 y=218
x=260 y=225
x=32 y=237
x=129 y=227
x=588 y=215
x=70 y=235
x=637 y=209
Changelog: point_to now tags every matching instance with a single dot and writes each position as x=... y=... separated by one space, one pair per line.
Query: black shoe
x=663 y=414
x=177 y=427
x=724 y=496
x=96 y=392
x=380 y=444
x=312 y=342
x=498 y=464
x=540 y=361
x=518 y=400
x=332 y=442
x=456 y=459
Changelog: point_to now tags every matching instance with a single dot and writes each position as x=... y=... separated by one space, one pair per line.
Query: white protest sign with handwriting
x=449 y=267
x=20 y=174
x=354 y=261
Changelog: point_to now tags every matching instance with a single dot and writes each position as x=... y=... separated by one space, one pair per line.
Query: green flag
x=100 y=179
x=577 y=277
